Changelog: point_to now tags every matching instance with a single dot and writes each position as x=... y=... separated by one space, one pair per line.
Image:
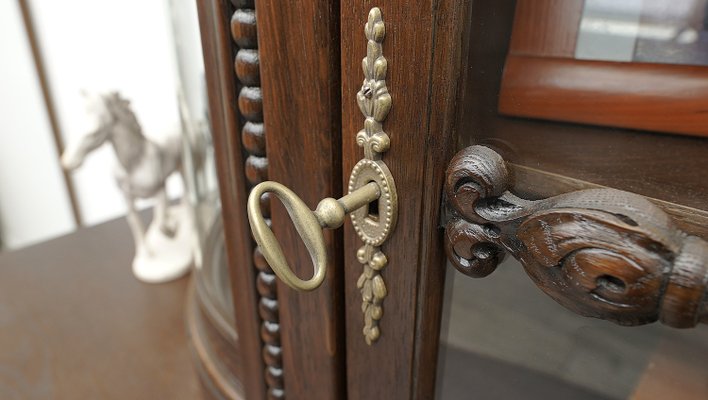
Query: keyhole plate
x=374 y=231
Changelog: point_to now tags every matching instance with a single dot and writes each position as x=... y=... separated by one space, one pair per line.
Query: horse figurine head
x=105 y=111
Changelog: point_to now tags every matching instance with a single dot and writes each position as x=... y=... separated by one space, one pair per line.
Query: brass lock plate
x=371 y=202
x=374 y=223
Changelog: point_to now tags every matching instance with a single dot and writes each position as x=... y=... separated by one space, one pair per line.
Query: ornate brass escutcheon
x=372 y=201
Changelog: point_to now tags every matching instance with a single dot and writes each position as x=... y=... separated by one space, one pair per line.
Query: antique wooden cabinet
x=570 y=135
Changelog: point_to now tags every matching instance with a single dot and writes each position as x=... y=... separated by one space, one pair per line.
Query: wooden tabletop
x=76 y=324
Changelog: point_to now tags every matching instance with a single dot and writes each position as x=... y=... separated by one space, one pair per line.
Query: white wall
x=102 y=45
x=34 y=204
x=96 y=45
x=187 y=39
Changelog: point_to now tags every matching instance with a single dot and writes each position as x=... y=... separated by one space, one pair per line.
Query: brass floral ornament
x=372 y=202
x=375 y=103
x=373 y=98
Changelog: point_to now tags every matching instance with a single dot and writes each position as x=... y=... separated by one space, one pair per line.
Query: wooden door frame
x=311 y=119
x=425 y=46
x=299 y=57
x=277 y=116
x=219 y=49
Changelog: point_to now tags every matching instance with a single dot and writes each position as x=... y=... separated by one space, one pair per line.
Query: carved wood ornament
x=601 y=253
x=253 y=138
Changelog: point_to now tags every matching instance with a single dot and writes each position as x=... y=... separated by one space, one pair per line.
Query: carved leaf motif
x=367 y=293
x=376 y=312
x=378 y=287
x=374 y=99
x=360 y=282
x=379 y=142
x=373 y=290
x=601 y=253
x=382 y=104
x=609 y=268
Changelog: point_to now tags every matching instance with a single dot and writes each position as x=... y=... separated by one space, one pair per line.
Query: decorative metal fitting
x=372 y=201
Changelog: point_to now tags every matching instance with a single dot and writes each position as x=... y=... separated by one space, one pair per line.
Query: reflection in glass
x=199 y=166
x=211 y=274
x=503 y=338
x=658 y=31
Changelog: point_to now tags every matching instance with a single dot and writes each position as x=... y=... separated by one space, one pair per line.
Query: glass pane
x=213 y=280
x=553 y=139
x=211 y=269
x=660 y=31
x=199 y=165
x=503 y=338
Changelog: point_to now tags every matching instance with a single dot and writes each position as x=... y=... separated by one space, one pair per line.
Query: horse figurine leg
x=136 y=226
x=162 y=218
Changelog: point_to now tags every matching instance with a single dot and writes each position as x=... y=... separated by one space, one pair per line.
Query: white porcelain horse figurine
x=143 y=167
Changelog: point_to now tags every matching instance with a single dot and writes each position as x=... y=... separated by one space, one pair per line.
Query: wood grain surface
x=299 y=58
x=76 y=324
x=669 y=168
x=555 y=37
x=542 y=79
x=210 y=320
x=424 y=46
x=536 y=184
x=654 y=97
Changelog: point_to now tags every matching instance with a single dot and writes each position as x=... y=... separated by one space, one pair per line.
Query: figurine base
x=168 y=258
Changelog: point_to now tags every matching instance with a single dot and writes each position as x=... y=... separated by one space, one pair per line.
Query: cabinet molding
x=232 y=69
x=298 y=47
x=652 y=97
x=250 y=105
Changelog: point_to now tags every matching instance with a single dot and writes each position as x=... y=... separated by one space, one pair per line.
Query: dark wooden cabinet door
x=436 y=77
x=273 y=83
x=284 y=80
x=298 y=123
x=424 y=47
x=299 y=58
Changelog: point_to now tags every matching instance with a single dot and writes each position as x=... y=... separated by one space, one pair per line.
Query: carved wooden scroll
x=601 y=253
